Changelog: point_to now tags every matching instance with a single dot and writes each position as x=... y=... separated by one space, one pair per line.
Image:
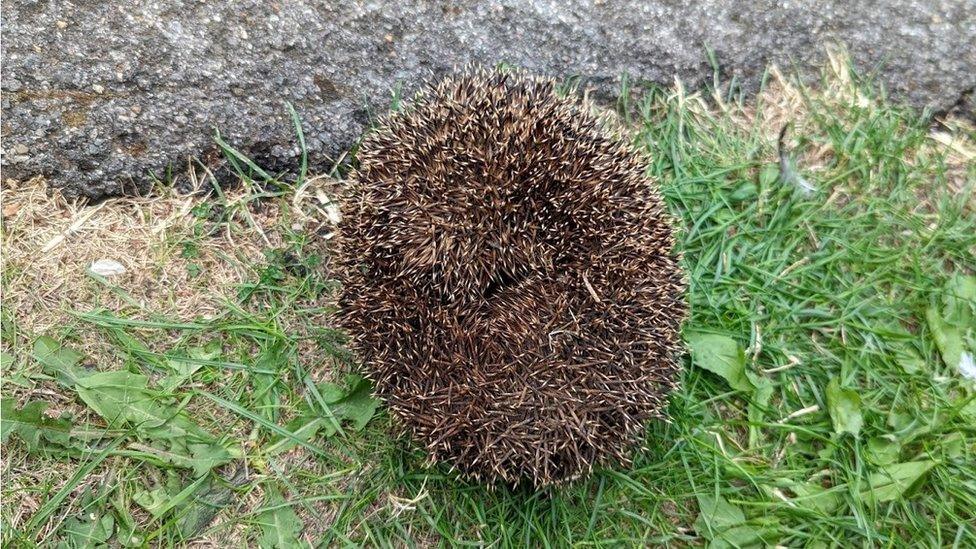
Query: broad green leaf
x=280 y=525
x=303 y=429
x=948 y=338
x=955 y=323
x=883 y=450
x=53 y=502
x=901 y=419
x=207 y=500
x=896 y=481
x=724 y=525
x=57 y=361
x=88 y=530
x=745 y=191
x=844 y=406
x=737 y=537
x=827 y=452
x=720 y=355
x=127 y=532
x=129 y=536
x=715 y=515
x=163 y=499
x=969 y=409
x=267 y=388
x=31 y=425
x=953 y=445
x=155 y=501
x=353 y=403
x=277 y=429
x=759 y=402
x=122 y=397
x=49 y=352
x=6 y=361
x=960 y=301
x=816 y=497
x=205 y=456
x=183 y=369
x=768 y=175
x=908 y=358
x=922 y=426
x=91 y=527
x=38 y=431
x=201 y=457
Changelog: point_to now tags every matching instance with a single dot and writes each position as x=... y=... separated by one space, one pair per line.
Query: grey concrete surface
x=99 y=94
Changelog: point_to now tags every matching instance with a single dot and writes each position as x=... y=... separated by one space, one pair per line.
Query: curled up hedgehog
x=510 y=280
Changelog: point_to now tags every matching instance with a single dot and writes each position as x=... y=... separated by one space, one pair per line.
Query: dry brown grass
x=785 y=103
x=48 y=246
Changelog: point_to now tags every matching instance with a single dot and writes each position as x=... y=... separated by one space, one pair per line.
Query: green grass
x=831 y=416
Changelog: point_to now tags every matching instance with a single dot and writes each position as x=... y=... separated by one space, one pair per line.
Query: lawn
x=828 y=398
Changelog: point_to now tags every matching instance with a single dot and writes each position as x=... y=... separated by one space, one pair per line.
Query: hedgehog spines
x=510 y=281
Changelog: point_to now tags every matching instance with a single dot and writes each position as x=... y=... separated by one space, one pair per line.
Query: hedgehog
x=510 y=280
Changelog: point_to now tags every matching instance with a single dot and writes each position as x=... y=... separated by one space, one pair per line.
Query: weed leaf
x=716 y=514
x=353 y=403
x=960 y=301
x=844 y=406
x=948 y=338
x=183 y=369
x=88 y=530
x=952 y=324
x=280 y=525
x=883 y=450
x=267 y=385
x=122 y=397
x=206 y=502
x=31 y=425
x=58 y=361
x=815 y=497
x=154 y=501
x=720 y=355
x=896 y=481
x=909 y=359
x=201 y=457
x=163 y=499
x=723 y=524
x=757 y=407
